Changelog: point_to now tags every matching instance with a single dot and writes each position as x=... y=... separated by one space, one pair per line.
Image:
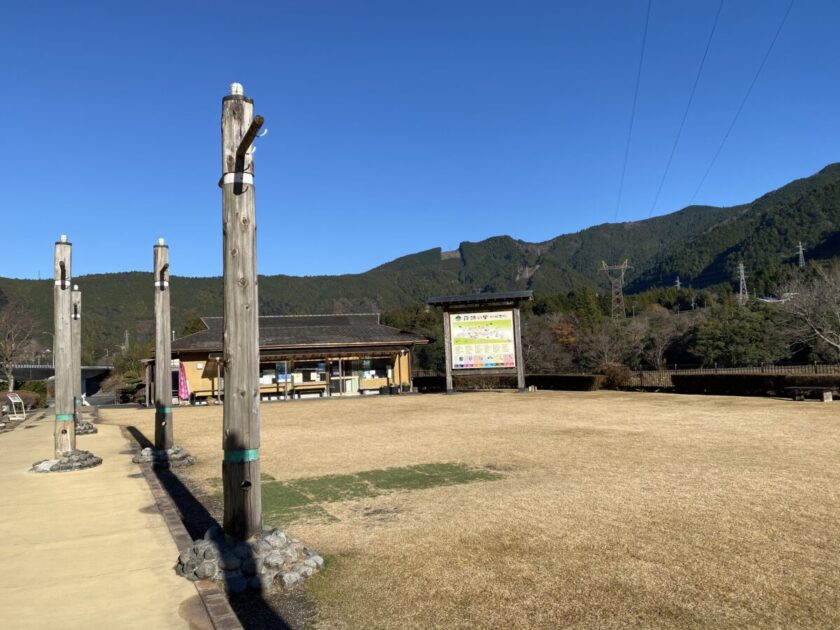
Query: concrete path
x=85 y=549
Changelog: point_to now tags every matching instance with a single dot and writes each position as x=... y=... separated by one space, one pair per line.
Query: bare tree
x=612 y=342
x=663 y=330
x=17 y=324
x=813 y=303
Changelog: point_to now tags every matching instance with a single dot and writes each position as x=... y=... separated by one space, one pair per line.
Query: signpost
x=482 y=334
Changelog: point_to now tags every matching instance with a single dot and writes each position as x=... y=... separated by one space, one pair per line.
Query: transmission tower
x=617 y=284
x=743 y=293
x=801 y=256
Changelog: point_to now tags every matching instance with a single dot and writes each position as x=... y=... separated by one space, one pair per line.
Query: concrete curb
x=215 y=602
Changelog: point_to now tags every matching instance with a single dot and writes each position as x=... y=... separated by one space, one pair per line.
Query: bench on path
x=800 y=392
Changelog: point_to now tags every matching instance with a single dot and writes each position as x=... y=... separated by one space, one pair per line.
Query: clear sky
x=394 y=126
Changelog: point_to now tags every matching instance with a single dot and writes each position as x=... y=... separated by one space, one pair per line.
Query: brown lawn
x=613 y=510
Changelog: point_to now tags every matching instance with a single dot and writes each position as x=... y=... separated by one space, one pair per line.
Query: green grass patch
x=301 y=499
x=392 y=479
x=452 y=473
x=330 y=488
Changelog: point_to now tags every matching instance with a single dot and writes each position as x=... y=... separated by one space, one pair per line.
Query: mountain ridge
x=703 y=245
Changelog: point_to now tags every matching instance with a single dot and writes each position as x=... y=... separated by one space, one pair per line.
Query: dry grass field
x=586 y=510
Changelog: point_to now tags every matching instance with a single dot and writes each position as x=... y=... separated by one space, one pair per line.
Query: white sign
x=482 y=340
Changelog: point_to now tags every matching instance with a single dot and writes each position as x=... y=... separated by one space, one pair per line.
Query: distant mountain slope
x=700 y=244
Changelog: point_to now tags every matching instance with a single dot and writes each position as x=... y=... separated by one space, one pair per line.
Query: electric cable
x=687 y=108
x=633 y=111
x=743 y=101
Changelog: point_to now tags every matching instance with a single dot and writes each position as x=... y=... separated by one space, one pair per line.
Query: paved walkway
x=85 y=549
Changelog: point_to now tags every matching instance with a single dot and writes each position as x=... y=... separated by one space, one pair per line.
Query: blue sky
x=394 y=127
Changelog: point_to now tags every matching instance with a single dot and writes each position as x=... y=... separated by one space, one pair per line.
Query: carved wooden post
x=65 y=431
x=241 y=433
x=163 y=350
x=76 y=330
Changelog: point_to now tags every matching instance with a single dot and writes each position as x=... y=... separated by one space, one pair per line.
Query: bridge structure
x=92 y=375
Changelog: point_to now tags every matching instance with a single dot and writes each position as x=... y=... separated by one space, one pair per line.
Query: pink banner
x=183 y=385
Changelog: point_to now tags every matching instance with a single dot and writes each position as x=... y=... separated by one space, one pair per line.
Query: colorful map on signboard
x=482 y=340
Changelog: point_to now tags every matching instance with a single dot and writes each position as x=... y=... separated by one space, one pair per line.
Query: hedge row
x=567 y=382
x=749 y=384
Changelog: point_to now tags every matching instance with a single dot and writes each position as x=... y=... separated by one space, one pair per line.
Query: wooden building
x=303 y=355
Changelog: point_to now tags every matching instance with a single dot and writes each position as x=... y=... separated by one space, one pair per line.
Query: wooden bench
x=800 y=392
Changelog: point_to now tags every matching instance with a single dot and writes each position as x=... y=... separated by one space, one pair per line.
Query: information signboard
x=482 y=340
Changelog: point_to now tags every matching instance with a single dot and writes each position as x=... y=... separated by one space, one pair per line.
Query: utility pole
x=743 y=293
x=801 y=256
x=76 y=328
x=241 y=426
x=65 y=430
x=163 y=350
x=617 y=284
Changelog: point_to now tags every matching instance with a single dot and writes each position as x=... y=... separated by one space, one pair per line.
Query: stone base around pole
x=175 y=457
x=86 y=428
x=74 y=460
x=272 y=558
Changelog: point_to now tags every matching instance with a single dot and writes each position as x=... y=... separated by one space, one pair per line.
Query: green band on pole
x=237 y=457
x=165 y=409
x=64 y=417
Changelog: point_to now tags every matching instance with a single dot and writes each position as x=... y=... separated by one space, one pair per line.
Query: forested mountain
x=702 y=245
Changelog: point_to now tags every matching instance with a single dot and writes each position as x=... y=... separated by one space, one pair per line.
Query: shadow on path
x=251 y=608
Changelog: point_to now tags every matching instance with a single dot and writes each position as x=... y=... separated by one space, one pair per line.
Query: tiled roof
x=301 y=331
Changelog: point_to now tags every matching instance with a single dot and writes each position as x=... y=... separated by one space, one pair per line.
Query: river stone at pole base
x=271 y=558
x=175 y=457
x=74 y=460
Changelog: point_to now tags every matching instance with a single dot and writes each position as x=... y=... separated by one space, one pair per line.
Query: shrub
x=30 y=399
x=36 y=387
x=566 y=382
x=430 y=384
x=616 y=376
x=483 y=381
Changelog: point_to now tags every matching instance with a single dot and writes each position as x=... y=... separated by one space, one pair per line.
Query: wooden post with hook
x=163 y=350
x=241 y=427
x=76 y=330
x=65 y=430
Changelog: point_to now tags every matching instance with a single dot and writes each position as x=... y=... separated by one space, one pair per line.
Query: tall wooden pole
x=517 y=346
x=76 y=334
x=447 y=342
x=163 y=350
x=241 y=433
x=65 y=430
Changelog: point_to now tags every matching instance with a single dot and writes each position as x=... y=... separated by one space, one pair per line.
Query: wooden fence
x=662 y=378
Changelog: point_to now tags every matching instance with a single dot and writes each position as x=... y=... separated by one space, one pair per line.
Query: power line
x=687 y=108
x=743 y=101
x=633 y=111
